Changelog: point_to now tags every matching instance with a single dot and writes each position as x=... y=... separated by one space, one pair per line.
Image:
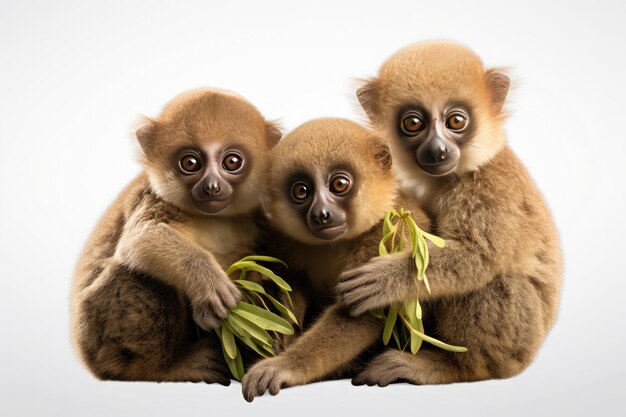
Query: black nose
x=437 y=152
x=211 y=188
x=322 y=217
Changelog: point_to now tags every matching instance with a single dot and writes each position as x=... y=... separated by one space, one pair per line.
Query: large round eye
x=300 y=191
x=412 y=123
x=190 y=164
x=232 y=162
x=340 y=184
x=456 y=121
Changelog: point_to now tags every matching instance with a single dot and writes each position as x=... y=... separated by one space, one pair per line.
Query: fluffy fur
x=331 y=345
x=496 y=283
x=155 y=263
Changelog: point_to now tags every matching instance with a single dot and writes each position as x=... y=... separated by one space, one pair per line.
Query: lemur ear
x=382 y=154
x=273 y=133
x=498 y=84
x=369 y=97
x=144 y=133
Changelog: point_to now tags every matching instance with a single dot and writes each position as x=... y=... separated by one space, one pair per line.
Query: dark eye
x=412 y=123
x=232 y=162
x=456 y=122
x=340 y=184
x=189 y=164
x=300 y=191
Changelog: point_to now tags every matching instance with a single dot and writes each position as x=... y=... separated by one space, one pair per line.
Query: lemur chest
x=227 y=239
x=323 y=265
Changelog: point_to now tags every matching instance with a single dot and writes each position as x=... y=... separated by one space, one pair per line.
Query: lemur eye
x=232 y=162
x=189 y=164
x=456 y=122
x=412 y=123
x=300 y=191
x=340 y=184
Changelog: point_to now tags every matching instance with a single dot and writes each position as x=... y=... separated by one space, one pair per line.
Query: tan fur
x=154 y=262
x=335 y=340
x=496 y=284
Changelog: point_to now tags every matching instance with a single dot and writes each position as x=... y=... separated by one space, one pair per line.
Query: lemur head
x=441 y=109
x=207 y=152
x=330 y=179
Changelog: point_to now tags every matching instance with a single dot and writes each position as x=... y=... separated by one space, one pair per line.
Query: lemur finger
x=275 y=386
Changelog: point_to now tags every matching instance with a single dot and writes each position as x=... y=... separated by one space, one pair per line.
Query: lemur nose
x=437 y=153
x=323 y=217
x=212 y=188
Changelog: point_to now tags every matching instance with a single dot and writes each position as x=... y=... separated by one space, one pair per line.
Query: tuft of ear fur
x=144 y=133
x=382 y=155
x=498 y=83
x=273 y=132
x=369 y=97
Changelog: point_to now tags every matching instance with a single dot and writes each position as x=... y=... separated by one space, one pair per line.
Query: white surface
x=74 y=76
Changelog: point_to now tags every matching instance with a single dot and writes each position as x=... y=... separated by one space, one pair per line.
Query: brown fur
x=496 y=284
x=154 y=261
x=335 y=340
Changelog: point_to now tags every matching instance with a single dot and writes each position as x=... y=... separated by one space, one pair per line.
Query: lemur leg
x=498 y=326
x=137 y=328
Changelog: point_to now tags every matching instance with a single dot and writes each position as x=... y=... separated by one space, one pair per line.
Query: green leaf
x=288 y=297
x=251 y=329
x=434 y=341
x=419 y=326
x=239 y=366
x=390 y=323
x=235 y=365
x=422 y=249
x=263 y=259
x=419 y=247
x=234 y=327
x=436 y=240
x=413 y=235
x=281 y=307
x=269 y=349
x=426 y=259
x=258 y=296
x=418 y=309
x=411 y=314
x=249 y=285
x=419 y=265
x=228 y=341
x=263 y=318
x=254 y=346
x=382 y=249
x=249 y=265
x=426 y=284
x=387 y=226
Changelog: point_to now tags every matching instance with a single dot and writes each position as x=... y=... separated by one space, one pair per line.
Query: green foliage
x=408 y=332
x=254 y=323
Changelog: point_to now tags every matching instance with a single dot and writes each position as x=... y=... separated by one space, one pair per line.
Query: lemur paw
x=377 y=283
x=214 y=370
x=387 y=368
x=212 y=309
x=267 y=375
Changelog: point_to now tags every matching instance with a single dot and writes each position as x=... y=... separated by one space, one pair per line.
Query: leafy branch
x=251 y=322
x=409 y=330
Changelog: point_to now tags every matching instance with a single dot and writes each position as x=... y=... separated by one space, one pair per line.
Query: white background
x=74 y=76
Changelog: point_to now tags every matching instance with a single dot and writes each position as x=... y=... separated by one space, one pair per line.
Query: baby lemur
x=330 y=186
x=156 y=259
x=495 y=285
